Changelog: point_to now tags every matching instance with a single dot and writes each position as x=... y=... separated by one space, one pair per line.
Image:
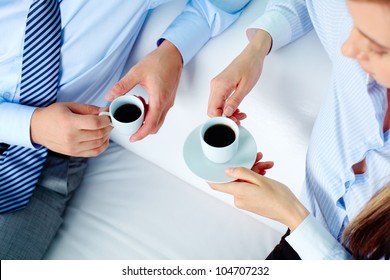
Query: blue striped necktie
x=21 y=167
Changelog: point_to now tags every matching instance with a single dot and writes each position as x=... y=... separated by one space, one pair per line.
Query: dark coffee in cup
x=127 y=113
x=219 y=136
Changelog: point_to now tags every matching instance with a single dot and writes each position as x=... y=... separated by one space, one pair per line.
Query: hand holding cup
x=126 y=113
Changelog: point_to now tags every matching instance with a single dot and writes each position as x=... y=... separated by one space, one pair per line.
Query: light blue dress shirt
x=349 y=126
x=97 y=38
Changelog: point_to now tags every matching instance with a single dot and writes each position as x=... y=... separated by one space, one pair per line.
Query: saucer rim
x=194 y=133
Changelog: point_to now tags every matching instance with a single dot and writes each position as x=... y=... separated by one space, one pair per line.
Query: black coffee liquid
x=127 y=113
x=219 y=136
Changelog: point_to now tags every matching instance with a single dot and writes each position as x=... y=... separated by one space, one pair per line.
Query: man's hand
x=158 y=73
x=71 y=128
x=230 y=87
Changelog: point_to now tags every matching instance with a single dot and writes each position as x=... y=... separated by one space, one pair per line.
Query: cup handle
x=106 y=114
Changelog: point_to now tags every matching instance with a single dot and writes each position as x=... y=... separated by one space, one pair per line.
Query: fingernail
x=110 y=96
x=229 y=170
x=229 y=111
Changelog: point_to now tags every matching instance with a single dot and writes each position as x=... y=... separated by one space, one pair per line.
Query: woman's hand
x=263 y=196
x=230 y=87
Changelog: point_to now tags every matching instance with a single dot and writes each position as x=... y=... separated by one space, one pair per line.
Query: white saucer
x=215 y=172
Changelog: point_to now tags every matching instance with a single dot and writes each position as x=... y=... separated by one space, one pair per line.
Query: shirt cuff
x=15 y=122
x=313 y=242
x=276 y=25
x=188 y=33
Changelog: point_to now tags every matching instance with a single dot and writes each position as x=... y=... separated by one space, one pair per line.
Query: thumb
x=83 y=109
x=127 y=83
x=243 y=174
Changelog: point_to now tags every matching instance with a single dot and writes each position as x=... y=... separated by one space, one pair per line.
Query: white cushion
x=128 y=208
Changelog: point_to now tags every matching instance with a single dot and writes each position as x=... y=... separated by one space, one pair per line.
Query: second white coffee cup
x=219 y=137
x=126 y=113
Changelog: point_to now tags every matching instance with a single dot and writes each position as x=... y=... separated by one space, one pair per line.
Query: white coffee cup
x=220 y=148
x=125 y=127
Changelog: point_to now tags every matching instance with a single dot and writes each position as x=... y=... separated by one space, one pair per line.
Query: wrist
x=172 y=51
x=261 y=42
x=297 y=216
x=34 y=135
